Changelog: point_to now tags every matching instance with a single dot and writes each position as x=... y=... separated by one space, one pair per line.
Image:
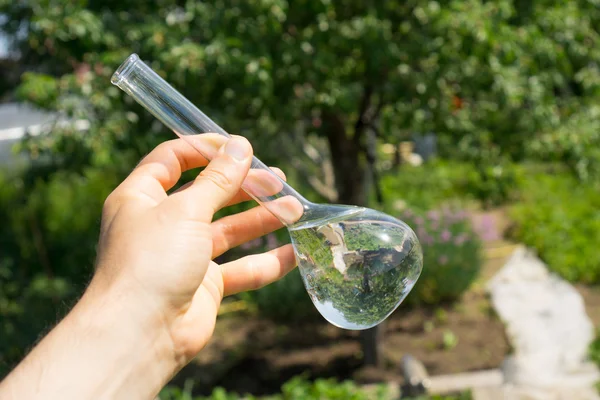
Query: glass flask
x=357 y=264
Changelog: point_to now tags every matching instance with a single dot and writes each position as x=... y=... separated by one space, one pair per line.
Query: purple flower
x=433 y=215
x=446 y=236
x=421 y=233
x=461 y=215
x=419 y=221
x=461 y=239
x=272 y=241
x=443 y=260
x=487 y=228
x=408 y=214
x=427 y=239
x=251 y=244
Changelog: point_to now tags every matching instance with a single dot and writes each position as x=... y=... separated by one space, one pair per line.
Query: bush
x=576 y=144
x=451 y=255
x=424 y=187
x=559 y=218
x=594 y=350
x=47 y=251
x=299 y=388
x=449 y=182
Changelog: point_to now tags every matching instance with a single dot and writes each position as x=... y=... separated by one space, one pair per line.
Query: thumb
x=219 y=182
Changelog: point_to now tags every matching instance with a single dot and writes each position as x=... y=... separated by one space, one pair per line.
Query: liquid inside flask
x=357 y=264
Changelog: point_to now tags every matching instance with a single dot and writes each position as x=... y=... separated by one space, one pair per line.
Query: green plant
x=299 y=388
x=427 y=186
x=492 y=183
x=440 y=182
x=576 y=143
x=451 y=255
x=559 y=218
x=48 y=250
x=594 y=350
x=449 y=340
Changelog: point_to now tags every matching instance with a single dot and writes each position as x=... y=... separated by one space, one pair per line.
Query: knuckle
x=110 y=202
x=256 y=277
x=218 y=178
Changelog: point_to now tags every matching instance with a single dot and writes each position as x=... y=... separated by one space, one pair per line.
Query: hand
x=160 y=247
x=154 y=298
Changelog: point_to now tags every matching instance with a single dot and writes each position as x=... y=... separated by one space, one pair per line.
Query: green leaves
x=559 y=218
x=39 y=89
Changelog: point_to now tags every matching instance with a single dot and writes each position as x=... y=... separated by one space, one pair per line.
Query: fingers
x=160 y=170
x=233 y=230
x=240 y=196
x=255 y=271
x=218 y=183
x=262 y=183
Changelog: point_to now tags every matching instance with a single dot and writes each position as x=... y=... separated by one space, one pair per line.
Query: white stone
x=548 y=328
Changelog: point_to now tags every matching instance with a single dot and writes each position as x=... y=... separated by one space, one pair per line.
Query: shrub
x=425 y=187
x=47 y=251
x=594 y=350
x=299 y=388
x=492 y=183
x=451 y=255
x=449 y=182
x=576 y=144
x=560 y=219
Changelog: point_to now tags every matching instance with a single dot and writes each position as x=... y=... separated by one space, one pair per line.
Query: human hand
x=159 y=247
x=153 y=301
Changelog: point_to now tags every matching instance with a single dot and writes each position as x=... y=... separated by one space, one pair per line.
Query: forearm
x=97 y=352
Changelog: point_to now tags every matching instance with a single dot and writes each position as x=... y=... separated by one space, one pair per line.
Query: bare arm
x=153 y=301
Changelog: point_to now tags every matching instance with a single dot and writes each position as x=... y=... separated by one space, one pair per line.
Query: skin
x=153 y=301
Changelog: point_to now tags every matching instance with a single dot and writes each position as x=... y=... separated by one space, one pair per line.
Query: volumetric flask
x=357 y=264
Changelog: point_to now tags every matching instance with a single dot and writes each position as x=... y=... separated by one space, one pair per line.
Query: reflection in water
x=359 y=269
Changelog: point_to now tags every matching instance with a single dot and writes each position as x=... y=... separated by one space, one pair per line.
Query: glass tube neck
x=146 y=87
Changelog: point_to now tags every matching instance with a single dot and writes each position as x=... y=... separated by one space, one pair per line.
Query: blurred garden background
x=477 y=122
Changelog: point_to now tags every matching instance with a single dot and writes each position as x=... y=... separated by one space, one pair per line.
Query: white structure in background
x=549 y=330
x=17 y=119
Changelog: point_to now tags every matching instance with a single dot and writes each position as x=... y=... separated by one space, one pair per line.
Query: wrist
x=104 y=349
x=134 y=336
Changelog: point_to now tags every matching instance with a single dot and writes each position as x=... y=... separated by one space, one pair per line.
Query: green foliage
x=442 y=182
x=452 y=255
x=594 y=350
x=575 y=143
x=559 y=218
x=449 y=340
x=492 y=183
x=48 y=238
x=299 y=388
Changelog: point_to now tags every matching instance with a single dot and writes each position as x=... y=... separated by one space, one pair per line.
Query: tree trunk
x=348 y=165
x=350 y=171
x=371 y=341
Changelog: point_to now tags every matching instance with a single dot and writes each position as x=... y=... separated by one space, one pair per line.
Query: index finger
x=160 y=170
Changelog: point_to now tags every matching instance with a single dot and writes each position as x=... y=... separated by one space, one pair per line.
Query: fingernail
x=238 y=149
